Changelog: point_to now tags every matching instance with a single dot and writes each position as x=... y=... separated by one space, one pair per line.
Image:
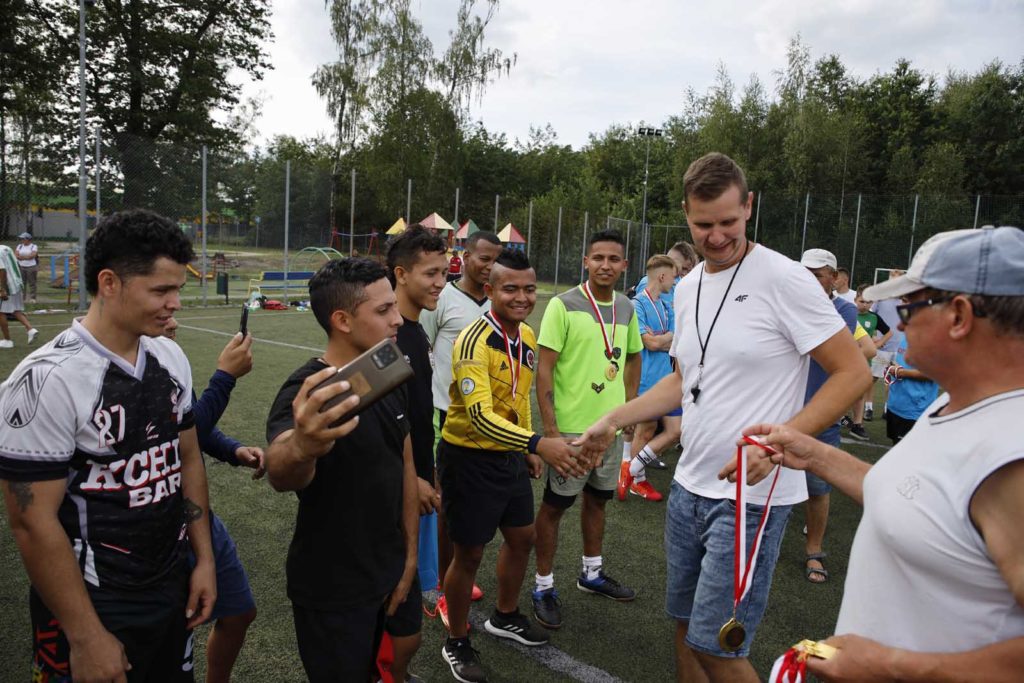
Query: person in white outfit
x=935 y=587
x=11 y=298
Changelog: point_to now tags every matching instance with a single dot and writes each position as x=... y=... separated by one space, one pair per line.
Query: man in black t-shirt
x=102 y=474
x=417 y=263
x=352 y=559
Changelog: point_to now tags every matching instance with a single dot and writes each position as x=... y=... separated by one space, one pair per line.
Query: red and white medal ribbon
x=608 y=344
x=514 y=368
x=789 y=668
x=661 y=321
x=743 y=564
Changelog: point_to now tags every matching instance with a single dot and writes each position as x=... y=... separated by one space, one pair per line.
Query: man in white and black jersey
x=102 y=474
x=934 y=590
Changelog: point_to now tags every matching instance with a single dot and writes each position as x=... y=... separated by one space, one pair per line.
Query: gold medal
x=612 y=371
x=732 y=635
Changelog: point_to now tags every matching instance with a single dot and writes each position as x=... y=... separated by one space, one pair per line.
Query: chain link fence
x=231 y=204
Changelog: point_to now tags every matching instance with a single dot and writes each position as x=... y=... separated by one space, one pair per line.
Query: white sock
x=868 y=405
x=627 y=448
x=591 y=567
x=642 y=460
x=545 y=582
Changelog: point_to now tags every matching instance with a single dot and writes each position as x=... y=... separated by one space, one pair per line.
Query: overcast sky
x=585 y=65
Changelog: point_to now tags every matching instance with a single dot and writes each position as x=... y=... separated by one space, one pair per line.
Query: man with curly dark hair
x=102 y=474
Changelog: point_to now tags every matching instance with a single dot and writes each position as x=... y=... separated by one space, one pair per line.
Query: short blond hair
x=660 y=261
x=710 y=176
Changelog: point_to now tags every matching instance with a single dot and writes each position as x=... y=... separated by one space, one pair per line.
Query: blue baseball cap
x=987 y=261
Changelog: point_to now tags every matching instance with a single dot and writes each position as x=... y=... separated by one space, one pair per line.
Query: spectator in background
x=11 y=297
x=454 y=267
x=910 y=393
x=842 y=285
x=880 y=332
x=886 y=310
x=28 y=260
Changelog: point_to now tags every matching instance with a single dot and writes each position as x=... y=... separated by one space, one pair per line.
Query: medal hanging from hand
x=613 y=367
x=792 y=666
x=732 y=635
x=513 y=368
x=695 y=390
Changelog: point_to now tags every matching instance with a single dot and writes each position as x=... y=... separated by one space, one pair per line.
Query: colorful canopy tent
x=509 y=235
x=467 y=229
x=435 y=222
x=398 y=227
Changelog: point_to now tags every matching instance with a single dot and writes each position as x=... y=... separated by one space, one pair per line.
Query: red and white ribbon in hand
x=743 y=564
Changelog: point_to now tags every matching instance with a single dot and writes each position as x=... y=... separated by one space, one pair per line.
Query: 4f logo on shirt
x=742 y=297
x=111 y=423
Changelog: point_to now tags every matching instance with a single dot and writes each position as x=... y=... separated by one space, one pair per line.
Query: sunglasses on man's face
x=905 y=311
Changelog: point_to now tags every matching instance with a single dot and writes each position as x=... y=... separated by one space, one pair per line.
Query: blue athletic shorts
x=234 y=596
x=699 y=549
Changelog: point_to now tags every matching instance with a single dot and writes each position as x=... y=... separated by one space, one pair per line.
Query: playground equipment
x=68 y=273
x=312 y=258
x=196 y=274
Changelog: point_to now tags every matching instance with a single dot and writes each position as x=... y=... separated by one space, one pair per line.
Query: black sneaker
x=869 y=414
x=516 y=627
x=547 y=608
x=606 y=586
x=857 y=432
x=463 y=660
x=845 y=421
x=658 y=464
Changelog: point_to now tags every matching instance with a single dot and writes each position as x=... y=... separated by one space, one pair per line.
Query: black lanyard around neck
x=695 y=391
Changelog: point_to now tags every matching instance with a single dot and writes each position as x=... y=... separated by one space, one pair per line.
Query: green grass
x=630 y=641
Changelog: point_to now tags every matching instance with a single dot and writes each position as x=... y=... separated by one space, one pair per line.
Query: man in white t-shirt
x=842 y=285
x=748 y=321
x=935 y=575
x=461 y=303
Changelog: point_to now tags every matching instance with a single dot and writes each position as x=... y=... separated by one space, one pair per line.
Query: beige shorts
x=603 y=478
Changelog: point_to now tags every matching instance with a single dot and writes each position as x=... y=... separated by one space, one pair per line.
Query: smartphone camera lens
x=384 y=357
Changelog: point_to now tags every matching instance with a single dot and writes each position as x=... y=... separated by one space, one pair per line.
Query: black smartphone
x=243 y=325
x=372 y=375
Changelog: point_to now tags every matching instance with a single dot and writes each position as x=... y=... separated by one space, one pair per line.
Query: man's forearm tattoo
x=22 y=492
x=192 y=511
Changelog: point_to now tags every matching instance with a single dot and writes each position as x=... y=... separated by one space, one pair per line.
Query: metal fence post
x=202 y=274
x=625 y=281
x=913 y=227
x=455 y=219
x=408 y=202
x=98 y=200
x=757 y=215
x=977 y=209
x=807 y=208
x=497 y=200
x=586 y=219
x=287 y=203
x=529 y=229
x=608 y=223
x=856 y=233
x=558 y=245
x=351 y=218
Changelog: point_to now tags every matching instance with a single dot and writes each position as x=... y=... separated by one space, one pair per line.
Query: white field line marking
x=255 y=339
x=546 y=655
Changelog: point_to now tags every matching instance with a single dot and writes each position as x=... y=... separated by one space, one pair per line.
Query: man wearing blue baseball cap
x=936 y=575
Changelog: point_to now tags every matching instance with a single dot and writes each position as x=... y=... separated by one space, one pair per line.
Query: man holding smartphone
x=352 y=559
x=417 y=263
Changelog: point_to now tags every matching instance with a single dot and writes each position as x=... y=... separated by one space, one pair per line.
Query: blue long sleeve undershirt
x=208 y=410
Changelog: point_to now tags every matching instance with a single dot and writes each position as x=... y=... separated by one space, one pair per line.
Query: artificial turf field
x=600 y=640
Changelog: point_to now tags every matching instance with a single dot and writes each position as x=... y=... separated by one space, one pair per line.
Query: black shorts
x=339 y=645
x=151 y=626
x=408 y=618
x=482 y=491
x=897 y=427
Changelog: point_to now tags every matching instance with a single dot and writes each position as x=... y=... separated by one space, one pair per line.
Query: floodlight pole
x=97 y=173
x=351 y=218
x=203 y=274
x=83 y=218
x=647 y=133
